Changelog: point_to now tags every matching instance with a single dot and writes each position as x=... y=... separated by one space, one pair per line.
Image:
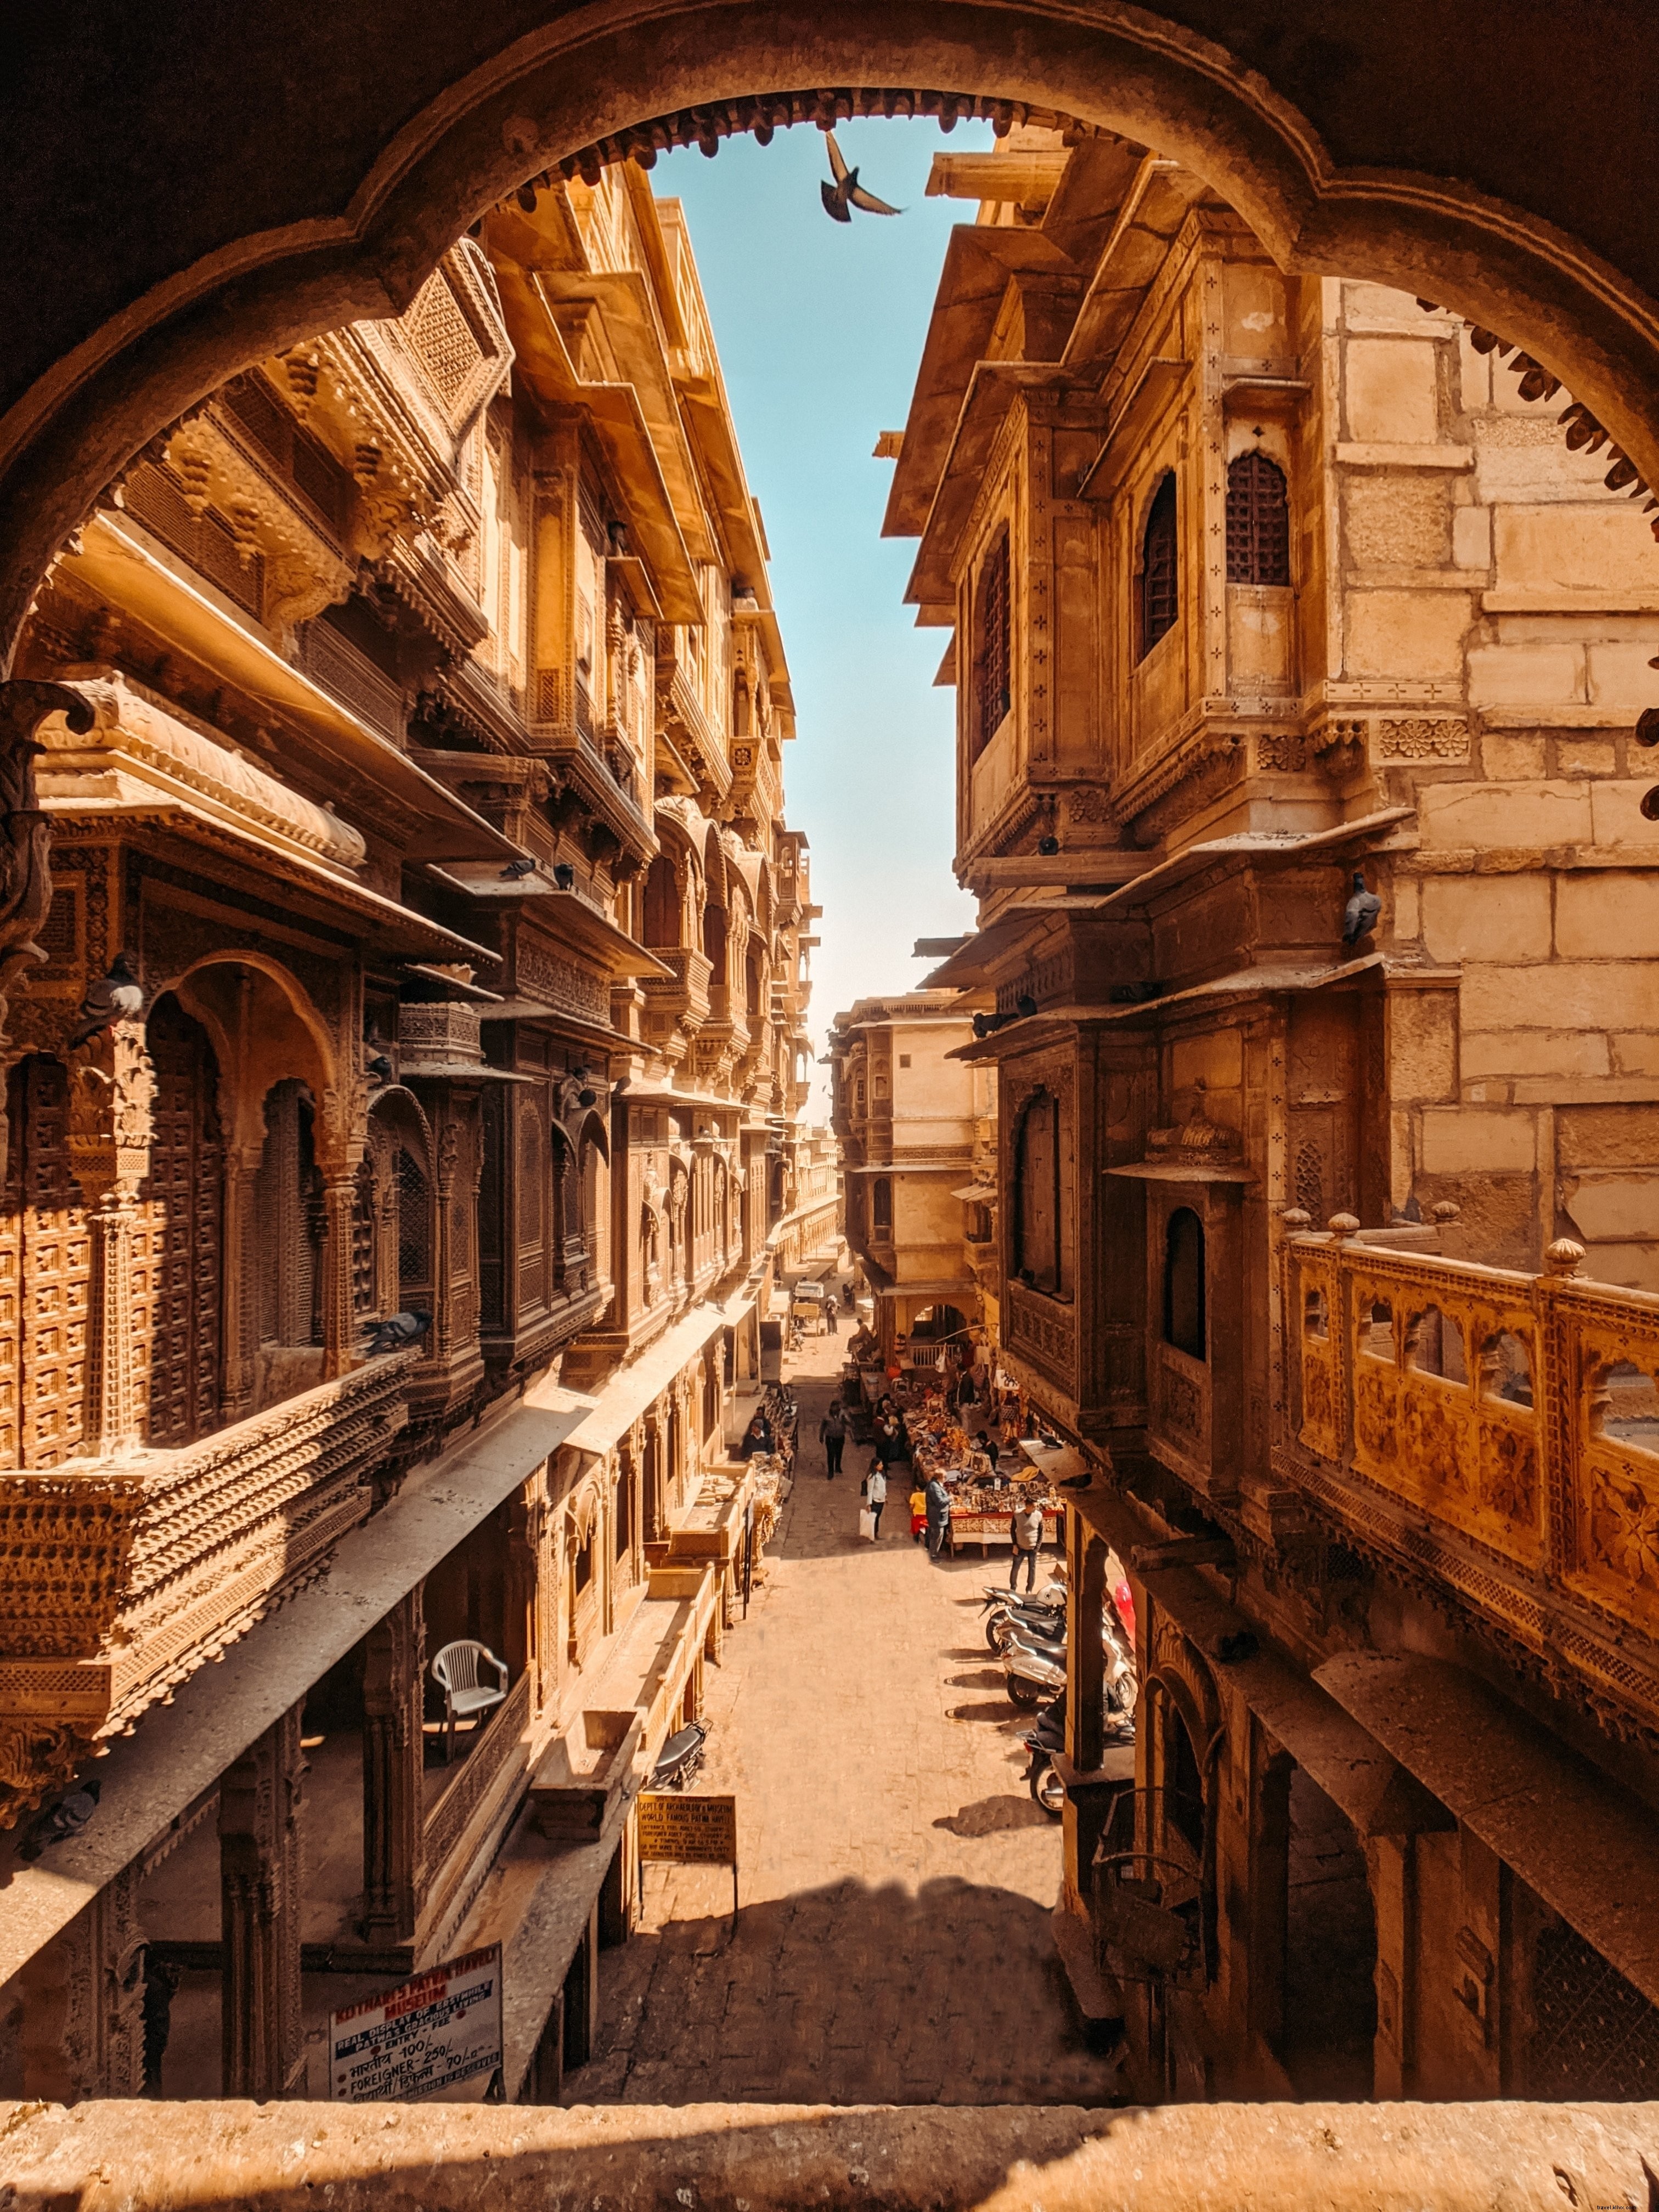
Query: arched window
x=992 y=626
x=881 y=1205
x=662 y=902
x=623 y=1514
x=1258 y=521
x=1036 y=1194
x=1160 y=587
x=287 y=1201
x=1183 y=1781
x=714 y=942
x=569 y=1208
x=1183 y=1283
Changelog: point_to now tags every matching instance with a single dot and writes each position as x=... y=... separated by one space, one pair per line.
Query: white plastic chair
x=457 y=1671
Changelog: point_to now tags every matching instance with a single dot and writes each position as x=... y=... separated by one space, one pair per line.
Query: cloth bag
x=866 y=1524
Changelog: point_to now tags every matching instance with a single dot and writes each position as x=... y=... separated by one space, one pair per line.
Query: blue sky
x=820 y=329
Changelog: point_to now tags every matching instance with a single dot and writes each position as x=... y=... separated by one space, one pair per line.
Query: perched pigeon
x=54 y=1824
x=846 y=192
x=1359 y=916
x=381 y=1067
x=117 y=997
x=515 y=870
x=396 y=1334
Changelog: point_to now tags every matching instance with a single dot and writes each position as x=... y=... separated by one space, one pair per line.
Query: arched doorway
x=248 y=226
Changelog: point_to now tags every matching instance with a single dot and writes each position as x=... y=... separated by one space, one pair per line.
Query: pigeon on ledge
x=54 y=1824
x=396 y=1334
x=846 y=192
x=117 y=997
x=1359 y=916
x=515 y=870
x=381 y=1067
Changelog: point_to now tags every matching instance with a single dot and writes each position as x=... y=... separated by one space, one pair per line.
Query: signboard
x=688 y=1832
x=425 y=2036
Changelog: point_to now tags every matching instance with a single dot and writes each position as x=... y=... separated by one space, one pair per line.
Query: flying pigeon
x=54 y=1824
x=1360 y=915
x=847 y=193
x=117 y=997
x=395 y=1334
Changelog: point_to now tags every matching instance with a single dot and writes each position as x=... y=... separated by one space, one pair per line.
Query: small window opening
x=1376 y=1332
x=1434 y=1345
x=1625 y=1407
x=1315 y=1318
x=1506 y=1369
x=1258 y=522
x=1160 y=587
x=994 y=613
x=1183 y=1283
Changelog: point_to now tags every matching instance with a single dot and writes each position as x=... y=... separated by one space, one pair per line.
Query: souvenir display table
x=982 y=1502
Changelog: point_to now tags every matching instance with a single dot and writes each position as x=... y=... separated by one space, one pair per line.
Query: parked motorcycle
x=680 y=1760
x=1047 y=1737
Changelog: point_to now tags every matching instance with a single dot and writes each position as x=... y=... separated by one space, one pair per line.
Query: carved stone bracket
x=24 y=831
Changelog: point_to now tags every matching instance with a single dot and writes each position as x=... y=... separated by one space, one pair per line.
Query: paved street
x=893 y=1945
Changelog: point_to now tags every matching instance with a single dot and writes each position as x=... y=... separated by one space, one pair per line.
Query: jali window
x=1258 y=522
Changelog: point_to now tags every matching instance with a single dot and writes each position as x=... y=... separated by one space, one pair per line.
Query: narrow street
x=893 y=1945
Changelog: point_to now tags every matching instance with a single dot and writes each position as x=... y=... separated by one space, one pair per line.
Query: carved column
x=111 y=1093
x=82 y=2027
x=25 y=831
x=241 y=1284
x=339 y=1211
x=393 y=1676
x=259 y=1865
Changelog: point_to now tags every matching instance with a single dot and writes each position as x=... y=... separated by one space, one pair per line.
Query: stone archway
x=299 y=168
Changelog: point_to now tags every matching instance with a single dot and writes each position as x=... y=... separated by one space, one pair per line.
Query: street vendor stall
x=983 y=1497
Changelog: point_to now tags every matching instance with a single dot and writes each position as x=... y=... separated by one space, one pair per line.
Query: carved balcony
x=1495 y=1437
x=119 y=1578
x=677 y=1004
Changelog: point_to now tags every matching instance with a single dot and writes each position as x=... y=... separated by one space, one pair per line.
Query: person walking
x=830 y=1321
x=832 y=1435
x=1025 y=1534
x=939 y=1516
x=918 y=1514
x=876 y=1497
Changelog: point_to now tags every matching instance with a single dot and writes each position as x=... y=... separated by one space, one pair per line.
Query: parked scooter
x=1047 y=1737
x=1035 y=1663
x=680 y=1760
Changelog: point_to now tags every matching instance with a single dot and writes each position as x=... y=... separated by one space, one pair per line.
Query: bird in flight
x=846 y=192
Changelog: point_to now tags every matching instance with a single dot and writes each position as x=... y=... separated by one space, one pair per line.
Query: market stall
x=984 y=1497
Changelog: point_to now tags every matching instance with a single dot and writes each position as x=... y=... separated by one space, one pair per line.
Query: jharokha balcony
x=122 y=1576
x=1496 y=1432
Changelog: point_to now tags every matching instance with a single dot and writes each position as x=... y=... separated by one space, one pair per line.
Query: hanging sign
x=425 y=2036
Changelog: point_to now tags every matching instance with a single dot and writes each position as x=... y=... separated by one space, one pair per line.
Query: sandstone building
x=1330 y=1246
x=422 y=746
x=915 y=1130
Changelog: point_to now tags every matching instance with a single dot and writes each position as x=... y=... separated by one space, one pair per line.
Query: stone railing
x=772 y=2157
x=1498 y=1432
x=117 y=1583
x=682 y=996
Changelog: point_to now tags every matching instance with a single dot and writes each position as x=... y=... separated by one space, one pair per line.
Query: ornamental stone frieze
x=121 y=1582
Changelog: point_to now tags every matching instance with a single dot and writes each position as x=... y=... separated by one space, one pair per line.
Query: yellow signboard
x=688 y=1830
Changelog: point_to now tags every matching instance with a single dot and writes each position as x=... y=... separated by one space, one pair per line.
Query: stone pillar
x=113 y=1417
x=260 y=1867
x=340 y=1209
x=1392 y=1866
x=239 y=1390
x=81 y=2026
x=393 y=1691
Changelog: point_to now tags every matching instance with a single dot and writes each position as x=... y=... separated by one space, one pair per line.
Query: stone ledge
x=213 y=2157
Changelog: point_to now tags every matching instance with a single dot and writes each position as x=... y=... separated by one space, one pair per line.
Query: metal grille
x=177 y=1237
x=1595 y=2035
x=1258 y=522
x=995 y=622
x=443 y=338
x=1160 y=596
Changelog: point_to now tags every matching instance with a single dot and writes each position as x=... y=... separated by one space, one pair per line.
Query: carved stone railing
x=501 y=1741
x=1043 y=1330
x=1496 y=1434
x=680 y=998
x=118 y=1579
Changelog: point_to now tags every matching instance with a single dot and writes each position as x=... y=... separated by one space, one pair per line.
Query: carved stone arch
x=265 y=1028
